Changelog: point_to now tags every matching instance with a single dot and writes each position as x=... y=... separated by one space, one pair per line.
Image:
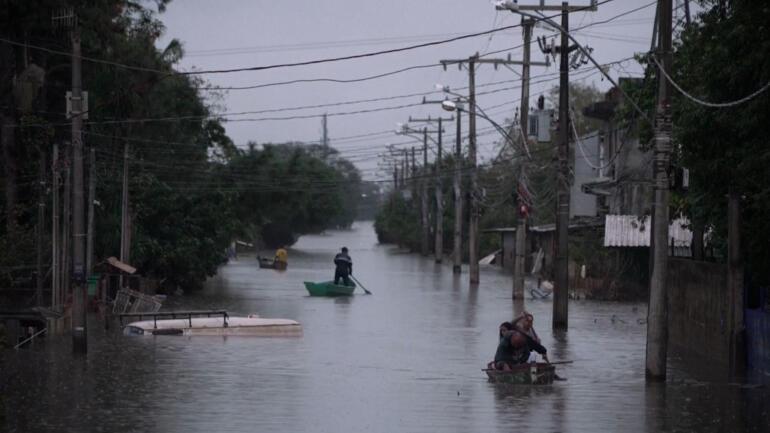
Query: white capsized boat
x=227 y=325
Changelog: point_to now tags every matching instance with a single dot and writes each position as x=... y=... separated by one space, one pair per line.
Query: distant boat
x=265 y=263
x=538 y=373
x=241 y=326
x=328 y=288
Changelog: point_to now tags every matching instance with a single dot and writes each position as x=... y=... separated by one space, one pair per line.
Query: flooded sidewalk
x=407 y=358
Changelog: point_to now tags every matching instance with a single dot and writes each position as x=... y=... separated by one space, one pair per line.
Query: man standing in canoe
x=344 y=267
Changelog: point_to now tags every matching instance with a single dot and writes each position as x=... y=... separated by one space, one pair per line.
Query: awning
x=120 y=265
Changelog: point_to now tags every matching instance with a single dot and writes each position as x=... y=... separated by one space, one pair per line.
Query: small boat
x=328 y=288
x=536 y=373
x=241 y=326
x=265 y=263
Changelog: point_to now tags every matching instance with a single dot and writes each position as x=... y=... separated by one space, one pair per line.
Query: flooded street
x=406 y=359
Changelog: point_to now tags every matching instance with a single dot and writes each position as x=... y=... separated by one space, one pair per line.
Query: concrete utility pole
x=735 y=285
x=521 y=228
x=40 y=231
x=125 y=234
x=325 y=136
x=425 y=218
x=657 y=314
x=79 y=335
x=457 y=253
x=439 y=246
x=66 y=235
x=91 y=198
x=55 y=233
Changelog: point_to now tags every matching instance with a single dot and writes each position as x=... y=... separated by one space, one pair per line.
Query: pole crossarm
x=513 y=6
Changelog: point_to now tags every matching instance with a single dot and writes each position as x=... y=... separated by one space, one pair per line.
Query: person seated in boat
x=344 y=267
x=524 y=323
x=281 y=255
x=515 y=348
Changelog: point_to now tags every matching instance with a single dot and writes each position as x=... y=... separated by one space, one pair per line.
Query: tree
x=724 y=56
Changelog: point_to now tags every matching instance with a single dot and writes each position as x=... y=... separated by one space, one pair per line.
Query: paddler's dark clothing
x=344 y=268
x=510 y=355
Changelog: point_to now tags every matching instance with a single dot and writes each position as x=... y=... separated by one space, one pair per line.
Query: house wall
x=698 y=315
x=758 y=339
x=586 y=154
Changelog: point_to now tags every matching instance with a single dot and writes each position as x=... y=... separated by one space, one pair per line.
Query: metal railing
x=177 y=315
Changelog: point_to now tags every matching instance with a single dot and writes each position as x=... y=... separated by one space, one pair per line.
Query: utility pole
x=473 y=230
x=125 y=247
x=561 y=286
x=439 y=246
x=561 y=289
x=439 y=231
x=91 y=198
x=40 y=230
x=325 y=136
x=66 y=235
x=404 y=169
x=657 y=314
x=457 y=254
x=521 y=229
x=425 y=219
x=395 y=177
x=55 y=233
x=79 y=334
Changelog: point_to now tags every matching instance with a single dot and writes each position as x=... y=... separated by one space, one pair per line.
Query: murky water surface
x=406 y=359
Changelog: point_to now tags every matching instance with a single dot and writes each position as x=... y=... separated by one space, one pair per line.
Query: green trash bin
x=93 y=283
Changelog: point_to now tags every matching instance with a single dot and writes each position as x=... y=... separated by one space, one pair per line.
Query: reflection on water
x=407 y=358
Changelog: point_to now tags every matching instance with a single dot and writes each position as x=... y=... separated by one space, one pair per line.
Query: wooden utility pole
x=91 y=198
x=79 y=335
x=521 y=228
x=457 y=253
x=40 y=230
x=55 y=233
x=561 y=286
x=657 y=314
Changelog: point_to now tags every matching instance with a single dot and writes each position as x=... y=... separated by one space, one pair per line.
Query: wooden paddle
x=361 y=285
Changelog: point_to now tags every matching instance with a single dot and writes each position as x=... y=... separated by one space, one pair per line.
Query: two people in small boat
x=343 y=267
x=518 y=340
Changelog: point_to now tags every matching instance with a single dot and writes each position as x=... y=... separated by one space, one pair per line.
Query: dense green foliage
x=721 y=57
x=724 y=57
x=191 y=191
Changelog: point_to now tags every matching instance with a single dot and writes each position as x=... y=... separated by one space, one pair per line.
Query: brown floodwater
x=406 y=359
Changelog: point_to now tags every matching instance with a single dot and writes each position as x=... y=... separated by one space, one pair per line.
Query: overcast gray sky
x=241 y=33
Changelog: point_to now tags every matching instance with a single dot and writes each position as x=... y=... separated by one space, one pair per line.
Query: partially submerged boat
x=328 y=288
x=538 y=373
x=184 y=323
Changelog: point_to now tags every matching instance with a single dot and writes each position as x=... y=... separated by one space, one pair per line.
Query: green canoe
x=328 y=288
